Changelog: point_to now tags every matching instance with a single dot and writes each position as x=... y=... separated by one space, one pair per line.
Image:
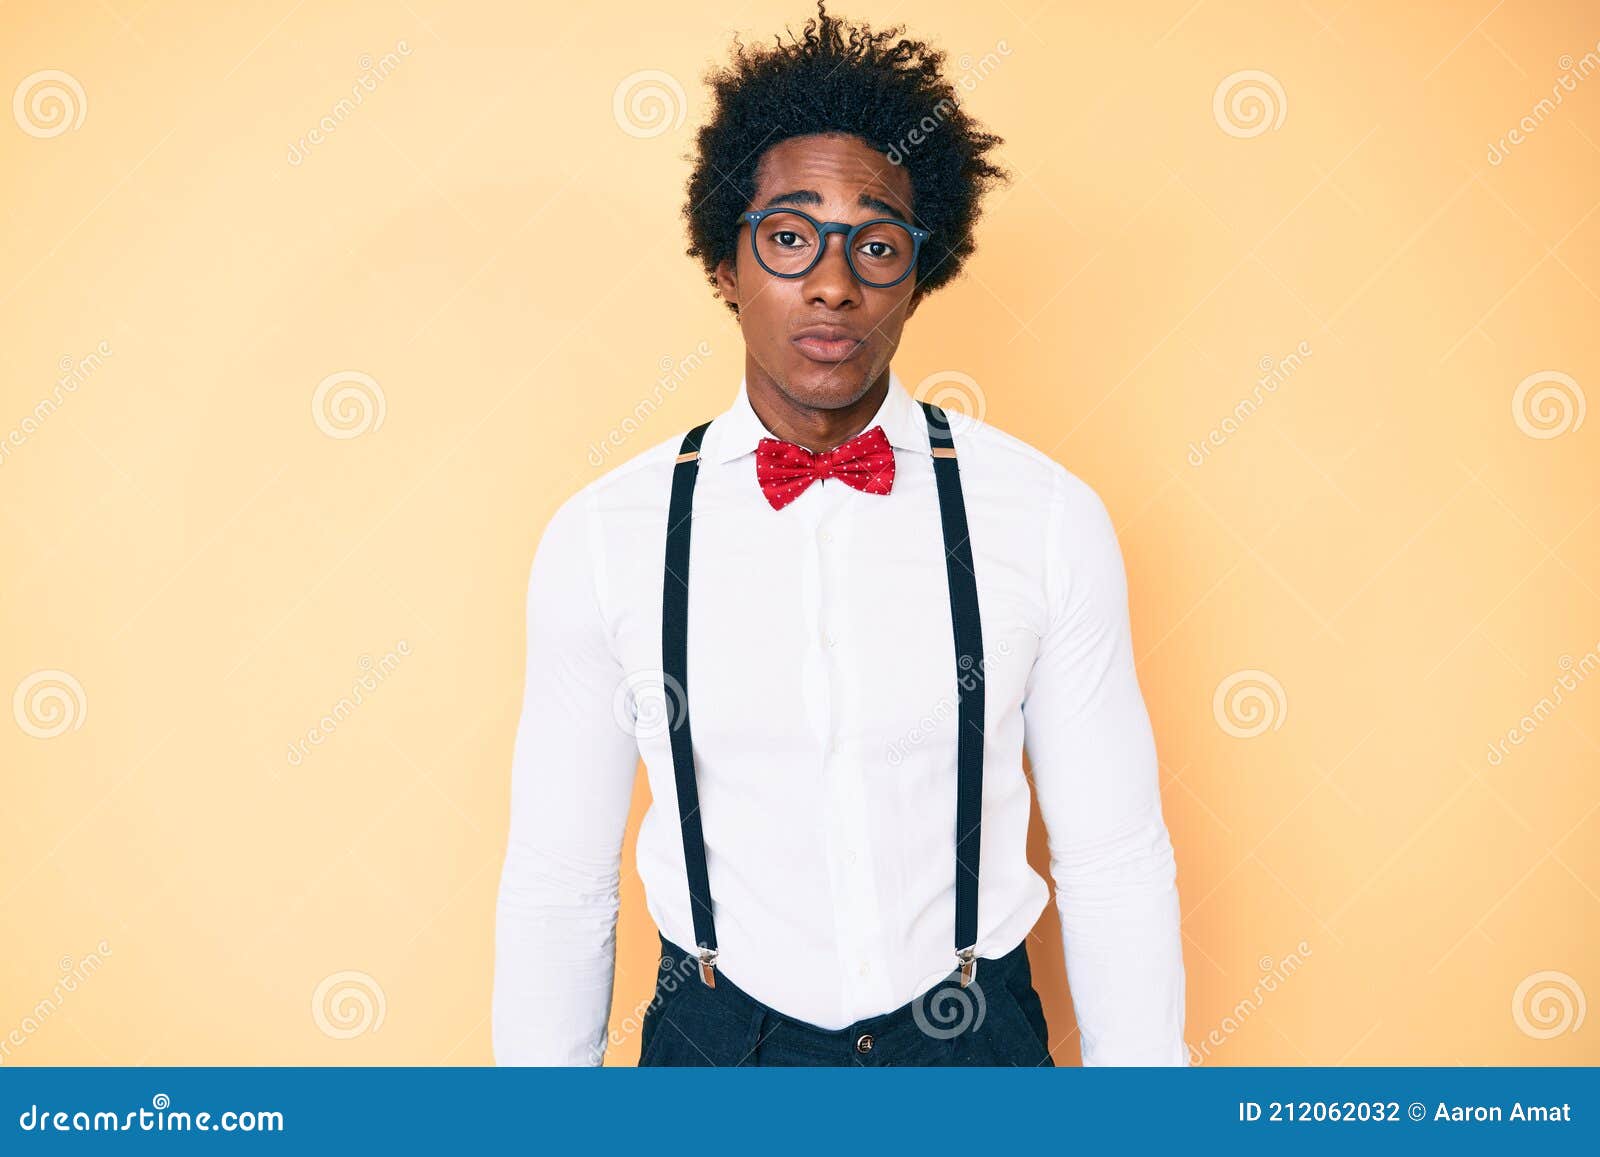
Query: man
x=829 y=620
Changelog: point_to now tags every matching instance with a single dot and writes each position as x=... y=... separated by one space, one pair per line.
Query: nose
x=830 y=280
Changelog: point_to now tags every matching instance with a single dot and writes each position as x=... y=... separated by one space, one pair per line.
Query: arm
x=572 y=777
x=1094 y=769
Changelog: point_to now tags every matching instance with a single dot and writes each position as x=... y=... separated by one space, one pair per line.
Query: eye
x=788 y=239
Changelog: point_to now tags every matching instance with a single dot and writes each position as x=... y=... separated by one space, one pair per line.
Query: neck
x=819 y=429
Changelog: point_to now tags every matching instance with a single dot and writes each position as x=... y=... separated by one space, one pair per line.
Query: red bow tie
x=785 y=470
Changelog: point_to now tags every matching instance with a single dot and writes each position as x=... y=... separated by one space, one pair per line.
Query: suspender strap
x=965 y=619
x=968 y=631
x=675 y=668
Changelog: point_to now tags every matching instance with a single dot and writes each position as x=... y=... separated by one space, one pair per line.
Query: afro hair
x=839 y=78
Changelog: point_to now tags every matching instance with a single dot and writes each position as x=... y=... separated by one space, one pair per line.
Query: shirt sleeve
x=572 y=776
x=1094 y=768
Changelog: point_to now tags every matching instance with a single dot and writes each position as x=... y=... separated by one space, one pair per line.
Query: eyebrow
x=812 y=197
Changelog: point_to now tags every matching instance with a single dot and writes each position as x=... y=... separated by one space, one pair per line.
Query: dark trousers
x=996 y=1020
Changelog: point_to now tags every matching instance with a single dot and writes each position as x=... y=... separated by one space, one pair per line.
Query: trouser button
x=864 y=1043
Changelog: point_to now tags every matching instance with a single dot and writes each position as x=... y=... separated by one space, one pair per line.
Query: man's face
x=826 y=176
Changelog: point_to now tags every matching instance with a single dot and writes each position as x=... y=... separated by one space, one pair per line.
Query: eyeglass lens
x=786 y=244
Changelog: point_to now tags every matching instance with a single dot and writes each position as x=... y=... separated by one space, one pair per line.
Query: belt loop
x=753 y=1037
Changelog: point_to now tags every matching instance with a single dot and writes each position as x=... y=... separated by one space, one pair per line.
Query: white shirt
x=823 y=685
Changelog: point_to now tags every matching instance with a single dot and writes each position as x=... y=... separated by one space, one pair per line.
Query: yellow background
x=1384 y=539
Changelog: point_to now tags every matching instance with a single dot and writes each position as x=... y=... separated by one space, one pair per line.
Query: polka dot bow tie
x=785 y=470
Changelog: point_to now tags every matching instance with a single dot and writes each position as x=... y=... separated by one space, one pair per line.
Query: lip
x=828 y=343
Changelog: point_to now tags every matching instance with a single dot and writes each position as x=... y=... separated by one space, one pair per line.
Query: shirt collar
x=737 y=430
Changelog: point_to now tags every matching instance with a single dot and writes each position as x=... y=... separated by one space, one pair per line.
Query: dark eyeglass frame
x=754 y=217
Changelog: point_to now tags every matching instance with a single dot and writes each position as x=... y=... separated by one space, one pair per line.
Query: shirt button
x=865 y=968
x=831 y=640
x=864 y=1043
x=827 y=536
x=850 y=856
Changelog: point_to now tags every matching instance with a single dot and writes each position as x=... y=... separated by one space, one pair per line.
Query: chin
x=821 y=384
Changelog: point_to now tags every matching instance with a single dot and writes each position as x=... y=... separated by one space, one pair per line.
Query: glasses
x=788 y=243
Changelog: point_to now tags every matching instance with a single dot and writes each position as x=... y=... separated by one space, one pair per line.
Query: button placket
x=857 y=911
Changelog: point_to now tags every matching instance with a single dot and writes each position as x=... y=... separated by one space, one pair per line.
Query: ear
x=727 y=281
x=916 y=300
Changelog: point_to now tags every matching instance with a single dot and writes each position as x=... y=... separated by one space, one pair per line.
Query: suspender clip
x=969 y=964
x=708 y=965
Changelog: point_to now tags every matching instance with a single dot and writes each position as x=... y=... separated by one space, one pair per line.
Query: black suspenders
x=675 y=668
x=969 y=686
x=968 y=631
